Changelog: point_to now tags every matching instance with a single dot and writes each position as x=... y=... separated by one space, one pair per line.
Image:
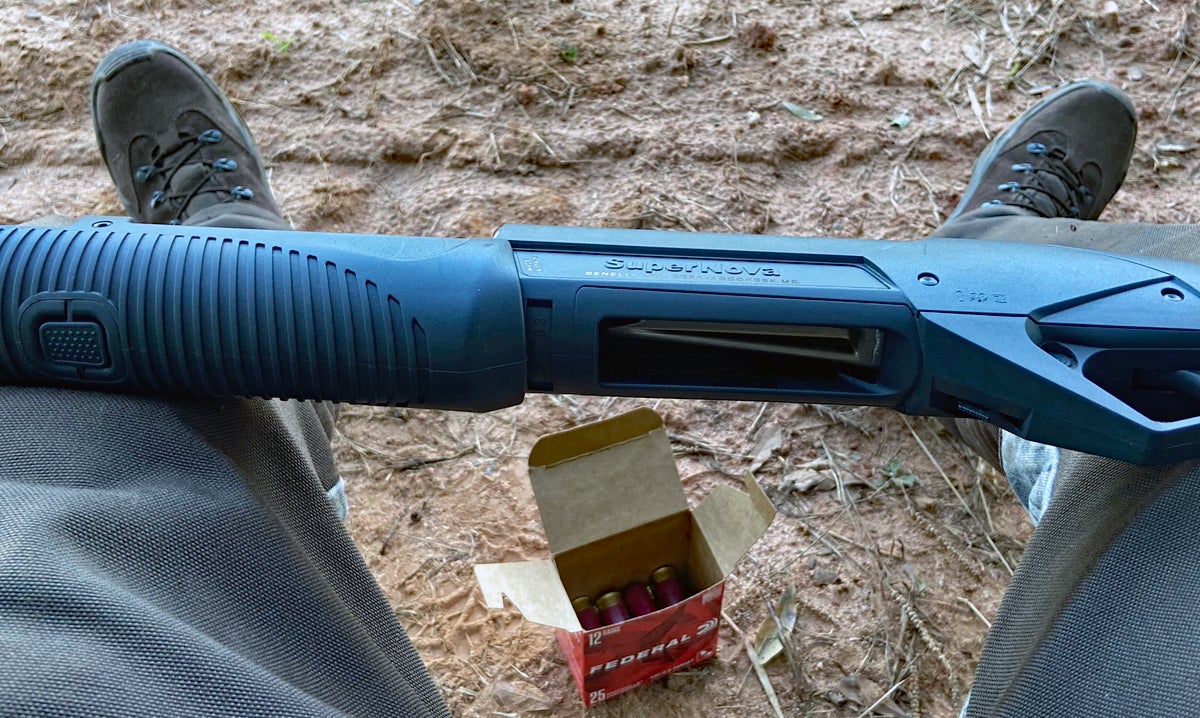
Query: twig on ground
x=987 y=511
x=711 y=213
x=399 y=463
x=937 y=214
x=938 y=466
x=674 y=13
x=975 y=610
x=763 y=678
x=512 y=28
x=843 y=418
x=855 y=24
x=707 y=40
x=882 y=698
x=977 y=109
x=699 y=445
x=837 y=475
x=789 y=653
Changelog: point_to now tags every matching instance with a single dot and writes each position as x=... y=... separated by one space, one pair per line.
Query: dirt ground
x=451 y=117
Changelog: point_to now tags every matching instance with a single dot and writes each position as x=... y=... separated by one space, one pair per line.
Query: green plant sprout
x=281 y=46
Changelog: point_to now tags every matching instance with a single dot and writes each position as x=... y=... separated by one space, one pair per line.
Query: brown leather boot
x=1065 y=157
x=177 y=150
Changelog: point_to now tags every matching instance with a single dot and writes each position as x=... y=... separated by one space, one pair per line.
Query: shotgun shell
x=638 y=599
x=612 y=608
x=589 y=617
x=668 y=589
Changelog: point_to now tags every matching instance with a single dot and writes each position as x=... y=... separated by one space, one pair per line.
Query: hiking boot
x=177 y=151
x=1065 y=157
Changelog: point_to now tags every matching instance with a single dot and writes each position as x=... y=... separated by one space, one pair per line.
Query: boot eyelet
x=157 y=199
x=144 y=173
x=210 y=137
x=1022 y=167
x=241 y=192
x=1009 y=187
x=1035 y=148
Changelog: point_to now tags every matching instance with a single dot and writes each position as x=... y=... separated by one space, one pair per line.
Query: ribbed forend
x=211 y=316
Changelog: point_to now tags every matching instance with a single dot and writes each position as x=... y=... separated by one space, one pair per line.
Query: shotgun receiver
x=1081 y=349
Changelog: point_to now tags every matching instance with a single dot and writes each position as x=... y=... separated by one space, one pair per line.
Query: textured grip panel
x=79 y=343
x=215 y=316
x=210 y=315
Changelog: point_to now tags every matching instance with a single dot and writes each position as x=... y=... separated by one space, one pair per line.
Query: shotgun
x=1081 y=349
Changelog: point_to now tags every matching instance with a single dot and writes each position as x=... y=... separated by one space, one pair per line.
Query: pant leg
x=1009 y=224
x=1100 y=618
x=180 y=558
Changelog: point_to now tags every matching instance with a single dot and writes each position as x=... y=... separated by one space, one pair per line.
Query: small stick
x=512 y=28
x=758 y=668
x=882 y=698
x=976 y=611
x=857 y=26
x=837 y=475
x=977 y=109
x=938 y=466
x=388 y=539
x=671 y=25
x=707 y=40
x=549 y=149
x=987 y=511
x=785 y=636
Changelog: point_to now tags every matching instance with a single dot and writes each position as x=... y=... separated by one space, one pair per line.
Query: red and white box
x=614 y=511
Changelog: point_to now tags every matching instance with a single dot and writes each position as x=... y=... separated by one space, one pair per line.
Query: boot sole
x=1000 y=141
x=132 y=53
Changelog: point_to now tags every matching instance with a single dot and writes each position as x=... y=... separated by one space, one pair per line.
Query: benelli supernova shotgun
x=1071 y=347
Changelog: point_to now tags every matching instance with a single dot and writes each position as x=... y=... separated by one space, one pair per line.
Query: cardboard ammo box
x=614 y=510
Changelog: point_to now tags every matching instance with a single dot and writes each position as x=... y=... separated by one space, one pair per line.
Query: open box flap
x=534 y=587
x=732 y=521
x=604 y=478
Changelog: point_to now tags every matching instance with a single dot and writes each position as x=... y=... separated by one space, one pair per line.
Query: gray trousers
x=166 y=557
x=181 y=558
x=1101 y=617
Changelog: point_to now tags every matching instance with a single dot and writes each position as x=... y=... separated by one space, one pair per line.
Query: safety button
x=79 y=343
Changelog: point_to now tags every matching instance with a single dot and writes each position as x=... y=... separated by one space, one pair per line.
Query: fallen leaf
x=768 y=642
x=802 y=112
x=769 y=438
x=806 y=480
x=893 y=474
x=521 y=696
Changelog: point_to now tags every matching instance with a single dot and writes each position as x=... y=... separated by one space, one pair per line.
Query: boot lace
x=1048 y=185
x=175 y=157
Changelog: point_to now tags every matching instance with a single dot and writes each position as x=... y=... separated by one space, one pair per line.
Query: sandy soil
x=451 y=117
